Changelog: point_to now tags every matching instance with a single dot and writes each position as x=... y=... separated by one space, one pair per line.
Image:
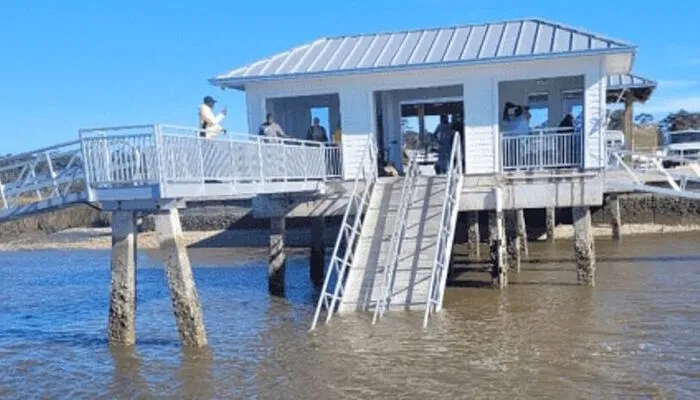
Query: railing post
x=260 y=159
x=52 y=173
x=86 y=164
x=541 y=147
x=160 y=162
x=2 y=195
x=200 y=144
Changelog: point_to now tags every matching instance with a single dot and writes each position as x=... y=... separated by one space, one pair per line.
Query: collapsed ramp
x=409 y=279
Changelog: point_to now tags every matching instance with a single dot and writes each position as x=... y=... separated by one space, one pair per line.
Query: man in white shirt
x=208 y=122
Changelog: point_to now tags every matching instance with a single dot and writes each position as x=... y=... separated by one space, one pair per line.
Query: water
x=634 y=335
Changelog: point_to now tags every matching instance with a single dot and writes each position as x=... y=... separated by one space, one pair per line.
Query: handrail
x=348 y=233
x=448 y=221
x=397 y=236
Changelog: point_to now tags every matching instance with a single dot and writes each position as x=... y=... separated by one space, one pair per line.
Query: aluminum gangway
x=147 y=165
x=395 y=244
x=643 y=172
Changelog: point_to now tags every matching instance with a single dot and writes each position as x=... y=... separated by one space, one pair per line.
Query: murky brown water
x=636 y=334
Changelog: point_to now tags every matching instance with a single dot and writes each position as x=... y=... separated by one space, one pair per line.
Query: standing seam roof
x=463 y=44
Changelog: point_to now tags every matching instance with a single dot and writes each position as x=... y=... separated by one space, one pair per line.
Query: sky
x=78 y=64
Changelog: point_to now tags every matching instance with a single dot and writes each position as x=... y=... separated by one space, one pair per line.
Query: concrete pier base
x=278 y=258
x=318 y=251
x=521 y=231
x=122 y=293
x=550 y=222
x=513 y=239
x=183 y=293
x=497 y=246
x=473 y=238
x=616 y=221
x=584 y=248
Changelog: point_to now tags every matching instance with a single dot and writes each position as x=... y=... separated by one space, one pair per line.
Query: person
x=316 y=132
x=208 y=122
x=443 y=134
x=567 y=124
x=337 y=136
x=270 y=129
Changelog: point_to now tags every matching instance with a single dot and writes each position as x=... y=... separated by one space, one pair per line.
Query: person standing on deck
x=316 y=132
x=208 y=122
x=270 y=129
x=443 y=134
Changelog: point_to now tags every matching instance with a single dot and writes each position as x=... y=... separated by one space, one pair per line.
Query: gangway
x=400 y=251
x=623 y=175
x=155 y=163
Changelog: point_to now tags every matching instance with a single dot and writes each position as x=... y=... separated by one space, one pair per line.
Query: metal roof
x=621 y=82
x=481 y=43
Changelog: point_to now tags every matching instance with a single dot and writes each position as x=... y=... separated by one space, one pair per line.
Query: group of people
x=516 y=119
x=210 y=125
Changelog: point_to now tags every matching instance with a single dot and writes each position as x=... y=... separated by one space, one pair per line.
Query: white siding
x=354 y=149
x=256 y=111
x=480 y=133
x=594 y=114
x=356 y=115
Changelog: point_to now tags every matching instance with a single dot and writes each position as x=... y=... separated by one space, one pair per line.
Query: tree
x=679 y=121
x=644 y=119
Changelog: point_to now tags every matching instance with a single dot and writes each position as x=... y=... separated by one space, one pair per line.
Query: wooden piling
x=122 y=294
x=318 y=251
x=473 y=234
x=584 y=248
x=278 y=258
x=550 y=223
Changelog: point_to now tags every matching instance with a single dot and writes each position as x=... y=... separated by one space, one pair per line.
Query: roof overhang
x=623 y=88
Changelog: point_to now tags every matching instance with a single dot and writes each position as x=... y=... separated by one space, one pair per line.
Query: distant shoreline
x=100 y=238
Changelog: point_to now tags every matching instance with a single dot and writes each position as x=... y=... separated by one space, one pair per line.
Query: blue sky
x=73 y=64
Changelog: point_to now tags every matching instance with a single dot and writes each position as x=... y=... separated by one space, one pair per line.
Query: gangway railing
x=388 y=273
x=448 y=222
x=40 y=175
x=348 y=235
x=653 y=162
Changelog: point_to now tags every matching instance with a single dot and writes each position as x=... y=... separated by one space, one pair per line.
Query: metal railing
x=43 y=174
x=388 y=274
x=448 y=222
x=349 y=234
x=653 y=162
x=541 y=149
x=167 y=154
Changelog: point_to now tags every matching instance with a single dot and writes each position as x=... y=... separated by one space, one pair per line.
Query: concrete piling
x=513 y=239
x=616 y=220
x=122 y=294
x=183 y=293
x=584 y=247
x=473 y=238
x=550 y=223
x=318 y=251
x=497 y=244
x=278 y=258
x=521 y=231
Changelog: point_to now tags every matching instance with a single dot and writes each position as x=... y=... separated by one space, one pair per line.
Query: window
x=685 y=137
x=539 y=110
x=573 y=104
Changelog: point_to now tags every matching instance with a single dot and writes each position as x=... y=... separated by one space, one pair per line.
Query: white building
x=368 y=83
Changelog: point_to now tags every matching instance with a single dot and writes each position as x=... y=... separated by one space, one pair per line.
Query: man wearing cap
x=208 y=122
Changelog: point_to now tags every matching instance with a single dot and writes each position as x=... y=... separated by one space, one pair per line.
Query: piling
x=550 y=223
x=616 y=221
x=183 y=293
x=521 y=231
x=122 y=294
x=499 y=273
x=278 y=258
x=584 y=248
x=318 y=251
x=513 y=239
x=473 y=238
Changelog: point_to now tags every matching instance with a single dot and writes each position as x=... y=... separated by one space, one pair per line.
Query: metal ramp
x=400 y=252
x=625 y=173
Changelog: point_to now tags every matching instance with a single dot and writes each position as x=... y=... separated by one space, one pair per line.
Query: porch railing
x=541 y=149
x=162 y=154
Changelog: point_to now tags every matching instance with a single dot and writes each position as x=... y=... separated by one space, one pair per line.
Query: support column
x=616 y=220
x=497 y=245
x=318 y=251
x=473 y=238
x=183 y=293
x=550 y=222
x=584 y=248
x=278 y=257
x=628 y=126
x=122 y=294
x=513 y=240
x=522 y=233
